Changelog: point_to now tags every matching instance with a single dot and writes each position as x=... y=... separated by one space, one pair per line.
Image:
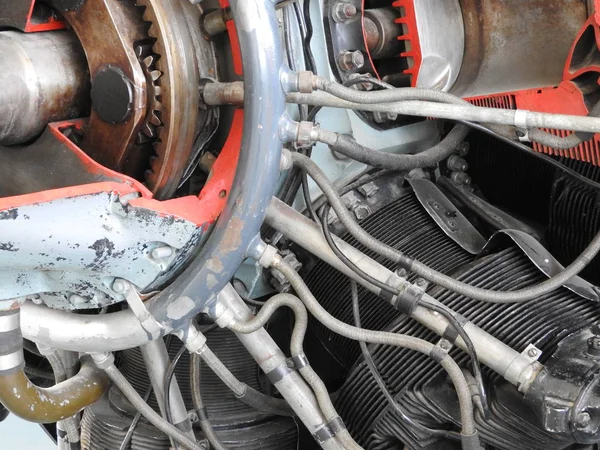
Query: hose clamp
x=300 y=361
x=285 y=368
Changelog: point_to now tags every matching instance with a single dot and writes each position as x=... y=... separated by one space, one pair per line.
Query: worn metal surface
x=454 y=224
x=184 y=57
x=44 y=78
x=514 y=44
x=252 y=189
x=442 y=41
x=67 y=252
x=108 y=30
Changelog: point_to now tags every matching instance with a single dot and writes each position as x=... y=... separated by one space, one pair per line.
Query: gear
x=170 y=65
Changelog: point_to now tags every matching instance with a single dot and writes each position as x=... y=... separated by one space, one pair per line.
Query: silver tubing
x=518 y=369
x=265 y=351
x=517 y=118
x=156 y=358
x=82 y=333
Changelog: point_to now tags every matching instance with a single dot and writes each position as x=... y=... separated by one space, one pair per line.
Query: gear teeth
x=149 y=60
x=155 y=120
x=155 y=75
x=149 y=130
x=158 y=106
x=157 y=90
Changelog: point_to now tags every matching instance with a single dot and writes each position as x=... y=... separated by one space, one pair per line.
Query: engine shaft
x=45 y=79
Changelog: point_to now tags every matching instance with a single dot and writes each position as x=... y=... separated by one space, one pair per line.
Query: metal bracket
x=137 y=306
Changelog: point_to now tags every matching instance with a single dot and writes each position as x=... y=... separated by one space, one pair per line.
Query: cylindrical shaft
x=45 y=79
x=516 y=368
x=265 y=351
x=156 y=358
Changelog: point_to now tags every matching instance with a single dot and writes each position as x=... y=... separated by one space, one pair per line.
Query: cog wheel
x=171 y=64
x=152 y=121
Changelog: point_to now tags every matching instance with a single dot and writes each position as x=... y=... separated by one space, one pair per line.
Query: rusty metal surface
x=175 y=26
x=108 y=30
x=514 y=44
x=45 y=80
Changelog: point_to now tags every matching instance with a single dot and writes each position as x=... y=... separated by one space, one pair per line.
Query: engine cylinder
x=45 y=80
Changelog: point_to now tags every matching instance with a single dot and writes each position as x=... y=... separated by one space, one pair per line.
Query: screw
x=351 y=60
x=421 y=282
x=341 y=12
x=120 y=286
x=532 y=352
x=401 y=272
x=162 y=252
x=451 y=223
x=582 y=420
x=362 y=212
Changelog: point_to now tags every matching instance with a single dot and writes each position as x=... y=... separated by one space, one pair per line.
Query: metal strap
x=323 y=434
x=138 y=308
x=300 y=361
x=281 y=371
x=336 y=425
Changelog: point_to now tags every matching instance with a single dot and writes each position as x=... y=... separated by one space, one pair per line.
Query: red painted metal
x=566 y=98
x=408 y=20
x=34 y=27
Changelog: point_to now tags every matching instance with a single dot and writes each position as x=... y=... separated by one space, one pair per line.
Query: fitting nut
x=351 y=60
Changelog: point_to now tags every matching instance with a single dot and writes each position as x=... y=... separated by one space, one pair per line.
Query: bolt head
x=582 y=420
x=362 y=212
x=162 y=252
x=532 y=352
x=77 y=300
x=342 y=11
x=120 y=286
x=351 y=60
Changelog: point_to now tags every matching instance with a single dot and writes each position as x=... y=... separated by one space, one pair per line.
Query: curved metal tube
x=82 y=333
x=49 y=405
x=257 y=171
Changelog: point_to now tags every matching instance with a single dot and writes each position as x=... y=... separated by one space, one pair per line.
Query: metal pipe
x=517 y=118
x=156 y=358
x=265 y=351
x=45 y=79
x=518 y=369
x=240 y=222
x=83 y=333
x=49 y=405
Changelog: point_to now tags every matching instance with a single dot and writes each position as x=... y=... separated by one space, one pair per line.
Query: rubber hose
x=347 y=146
x=203 y=418
x=297 y=349
x=430 y=274
x=384 y=338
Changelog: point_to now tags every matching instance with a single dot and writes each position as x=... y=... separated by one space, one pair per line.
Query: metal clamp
x=281 y=371
x=300 y=361
x=137 y=306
